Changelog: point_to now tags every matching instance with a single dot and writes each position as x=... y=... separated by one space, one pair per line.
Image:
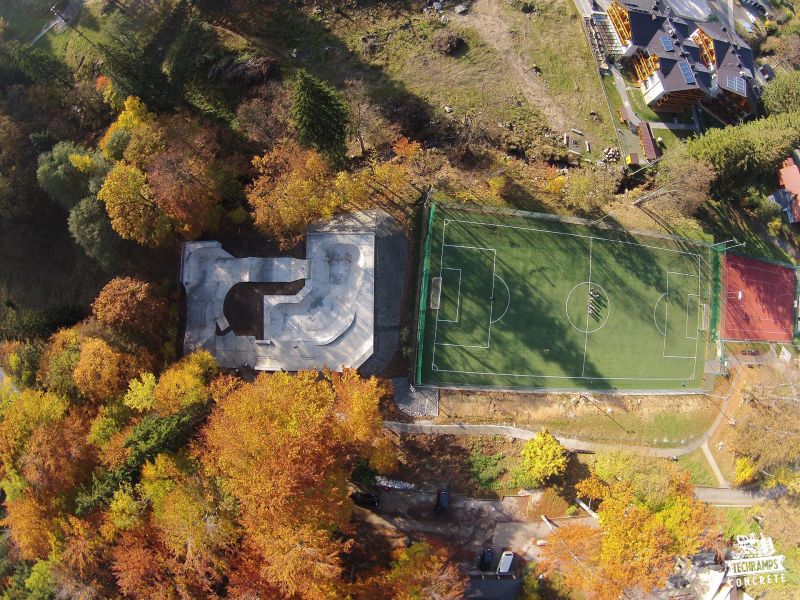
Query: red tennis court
x=759 y=300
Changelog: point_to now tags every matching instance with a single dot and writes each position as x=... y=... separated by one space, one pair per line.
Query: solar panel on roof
x=737 y=84
x=686 y=71
x=667 y=43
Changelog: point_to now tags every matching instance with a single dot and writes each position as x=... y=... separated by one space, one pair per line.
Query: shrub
x=446 y=42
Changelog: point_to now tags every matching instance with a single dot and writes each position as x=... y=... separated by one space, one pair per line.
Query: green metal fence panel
x=716 y=291
x=423 y=294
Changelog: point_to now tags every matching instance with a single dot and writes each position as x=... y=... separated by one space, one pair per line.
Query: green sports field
x=523 y=302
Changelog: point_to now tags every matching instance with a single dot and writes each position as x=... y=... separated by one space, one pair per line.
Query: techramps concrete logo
x=754 y=562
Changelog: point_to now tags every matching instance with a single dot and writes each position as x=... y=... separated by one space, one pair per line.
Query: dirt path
x=485 y=17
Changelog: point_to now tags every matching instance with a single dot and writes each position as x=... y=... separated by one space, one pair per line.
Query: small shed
x=648 y=141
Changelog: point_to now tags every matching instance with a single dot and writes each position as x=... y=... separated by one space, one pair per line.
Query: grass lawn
x=520 y=302
x=663 y=430
x=671 y=137
x=648 y=114
x=726 y=222
x=555 y=40
x=23 y=22
x=697 y=465
x=738 y=521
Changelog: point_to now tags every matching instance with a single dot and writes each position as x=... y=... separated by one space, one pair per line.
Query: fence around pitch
x=422 y=300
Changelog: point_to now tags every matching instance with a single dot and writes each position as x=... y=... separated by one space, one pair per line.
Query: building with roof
x=679 y=63
x=788 y=195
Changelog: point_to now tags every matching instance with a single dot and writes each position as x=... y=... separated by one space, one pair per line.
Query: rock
x=448 y=109
x=460 y=9
x=438 y=6
x=294 y=52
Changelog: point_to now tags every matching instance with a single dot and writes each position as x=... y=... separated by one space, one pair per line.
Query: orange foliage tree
x=291 y=191
x=101 y=371
x=133 y=307
x=278 y=443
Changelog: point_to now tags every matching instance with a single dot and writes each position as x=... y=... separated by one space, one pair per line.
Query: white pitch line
x=586 y=336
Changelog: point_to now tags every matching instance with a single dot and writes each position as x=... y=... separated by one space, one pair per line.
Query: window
x=736 y=84
x=686 y=71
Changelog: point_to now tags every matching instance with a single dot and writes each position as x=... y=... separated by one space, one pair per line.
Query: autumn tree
x=31 y=524
x=59 y=361
x=320 y=116
x=132 y=307
x=101 y=372
x=653 y=480
x=17 y=175
x=133 y=211
x=573 y=551
x=184 y=383
x=58 y=456
x=292 y=190
x=635 y=548
x=91 y=229
x=281 y=441
x=420 y=571
x=366 y=125
x=60 y=178
x=543 y=458
x=589 y=189
x=264 y=119
x=183 y=189
x=682 y=183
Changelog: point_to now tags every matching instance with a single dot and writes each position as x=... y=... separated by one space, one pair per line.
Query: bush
x=486 y=469
x=446 y=42
x=117 y=142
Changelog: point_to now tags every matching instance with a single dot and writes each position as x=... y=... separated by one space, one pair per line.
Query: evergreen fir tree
x=320 y=116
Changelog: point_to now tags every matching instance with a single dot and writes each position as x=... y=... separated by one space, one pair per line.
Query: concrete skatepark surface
x=329 y=322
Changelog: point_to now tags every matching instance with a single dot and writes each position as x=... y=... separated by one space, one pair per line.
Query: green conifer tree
x=320 y=116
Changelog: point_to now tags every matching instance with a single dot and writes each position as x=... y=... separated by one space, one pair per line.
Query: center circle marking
x=584 y=287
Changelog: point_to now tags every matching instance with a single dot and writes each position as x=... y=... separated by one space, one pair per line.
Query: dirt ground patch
x=432 y=462
x=654 y=420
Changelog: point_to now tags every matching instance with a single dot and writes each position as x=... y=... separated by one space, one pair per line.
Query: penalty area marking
x=508 y=304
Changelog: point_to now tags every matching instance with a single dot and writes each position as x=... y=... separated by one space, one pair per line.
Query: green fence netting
x=423 y=293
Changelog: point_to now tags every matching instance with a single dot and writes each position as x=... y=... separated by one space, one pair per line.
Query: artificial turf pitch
x=524 y=302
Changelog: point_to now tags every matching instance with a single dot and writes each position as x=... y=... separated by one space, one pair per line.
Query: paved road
x=742 y=497
x=723 y=483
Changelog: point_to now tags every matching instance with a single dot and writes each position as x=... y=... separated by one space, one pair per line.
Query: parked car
x=485 y=559
x=506 y=561
x=442 y=502
x=365 y=500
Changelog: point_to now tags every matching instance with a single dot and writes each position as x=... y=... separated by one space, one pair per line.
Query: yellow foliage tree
x=101 y=372
x=133 y=114
x=184 y=383
x=133 y=212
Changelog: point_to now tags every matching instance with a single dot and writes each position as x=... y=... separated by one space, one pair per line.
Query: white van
x=504 y=566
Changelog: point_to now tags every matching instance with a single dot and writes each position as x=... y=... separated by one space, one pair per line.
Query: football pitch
x=525 y=302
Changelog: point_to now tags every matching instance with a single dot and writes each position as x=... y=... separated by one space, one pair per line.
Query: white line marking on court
x=591 y=238
x=688 y=303
x=578 y=235
x=508 y=304
x=586 y=335
x=655 y=318
x=458 y=298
